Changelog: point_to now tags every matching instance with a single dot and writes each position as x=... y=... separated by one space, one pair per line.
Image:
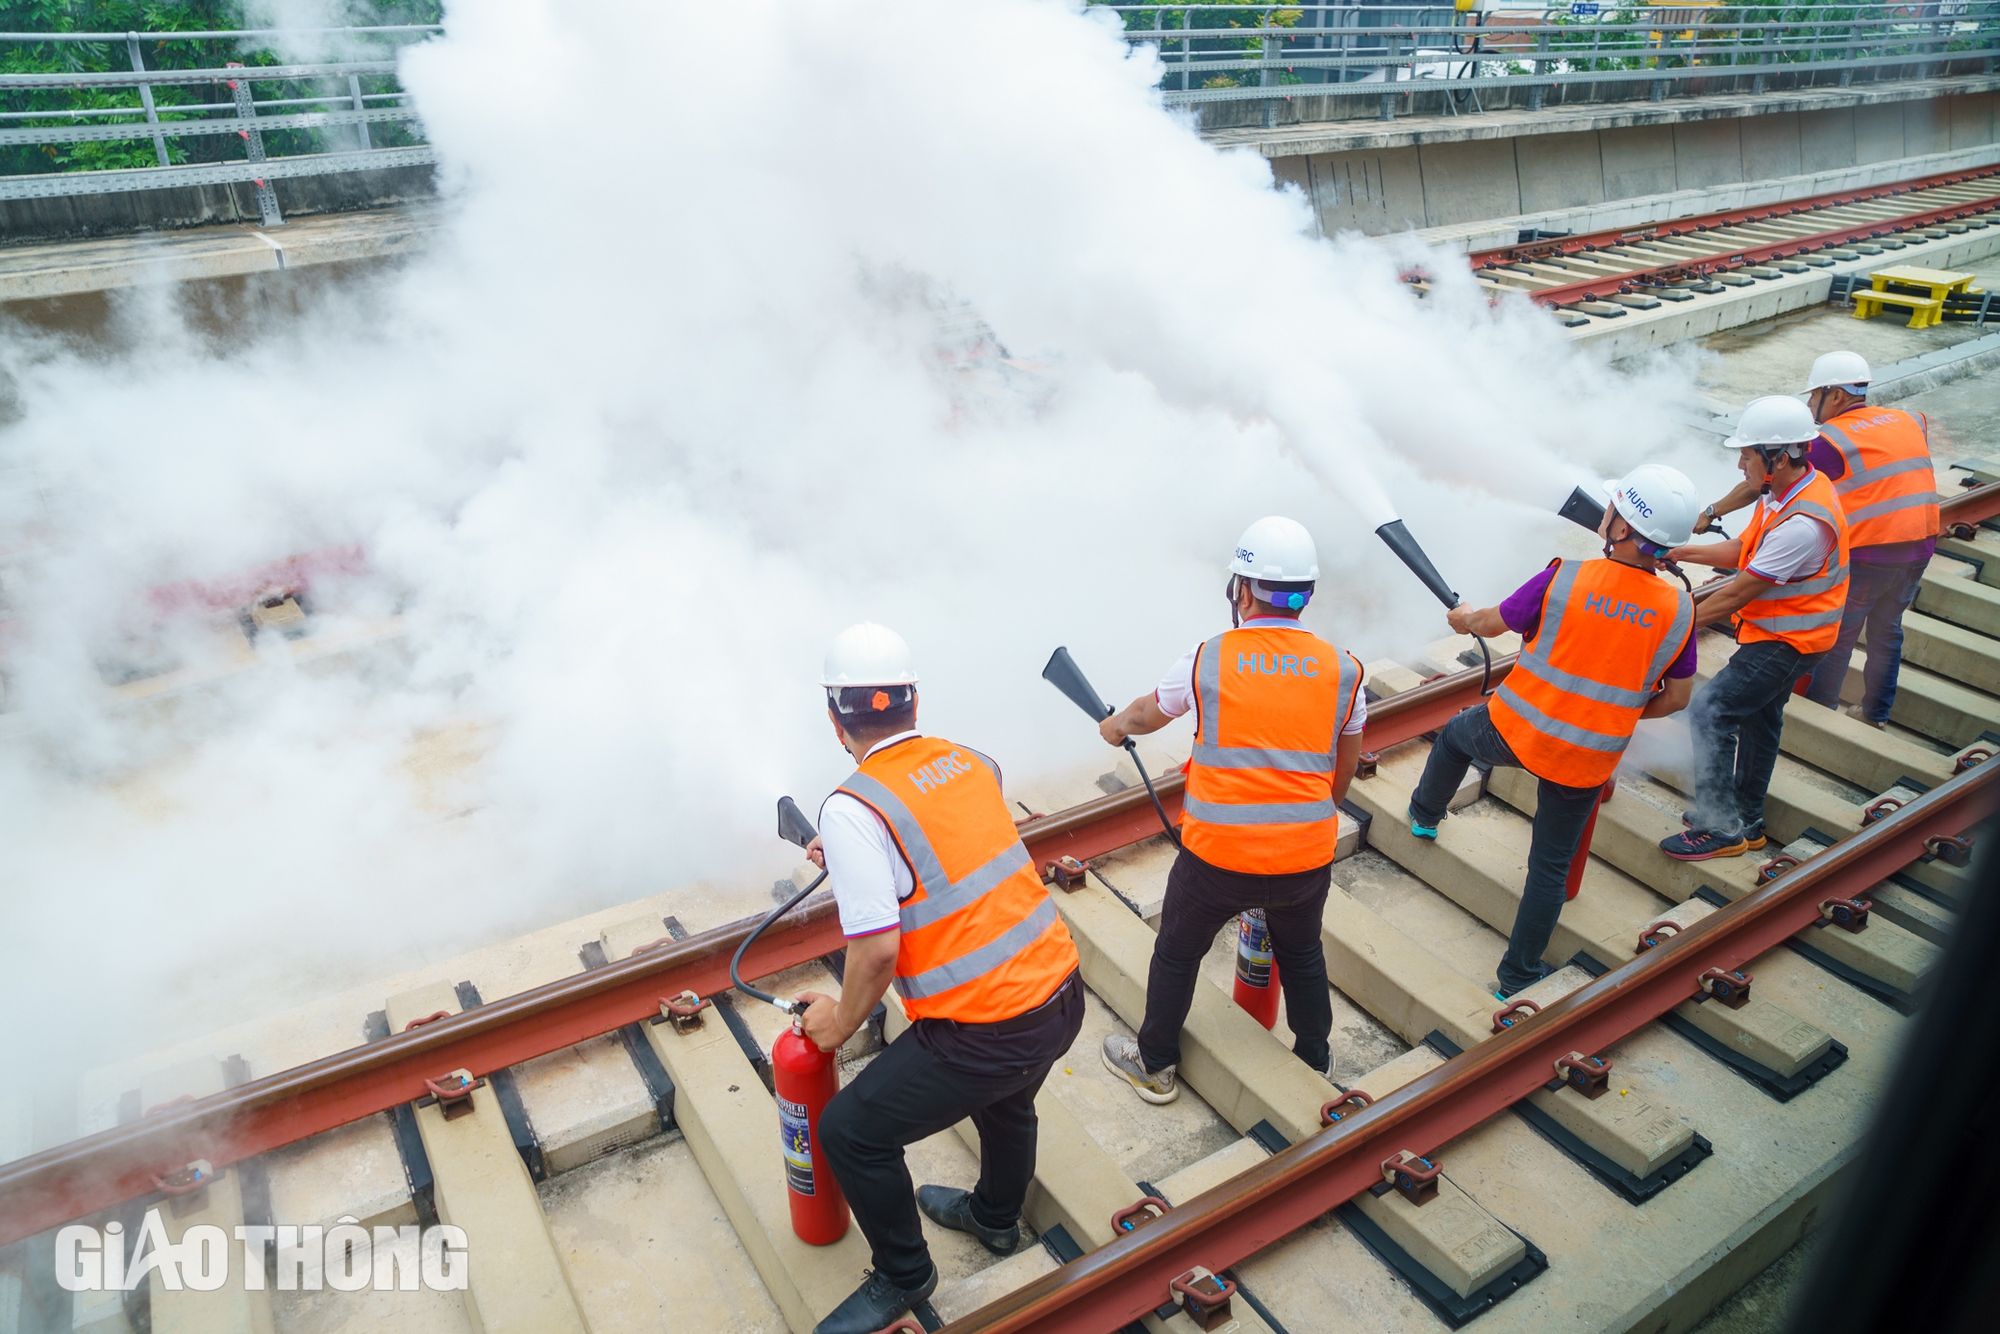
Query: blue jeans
x=1877 y=597
x=1736 y=720
x=1560 y=814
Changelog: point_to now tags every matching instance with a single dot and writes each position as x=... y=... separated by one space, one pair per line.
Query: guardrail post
x=1388 y=106
x=1757 y=84
x=1269 y=79
x=253 y=142
x=360 y=127
x=1539 y=93
x=146 y=96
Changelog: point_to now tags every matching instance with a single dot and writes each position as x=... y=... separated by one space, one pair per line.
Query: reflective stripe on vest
x=1804 y=613
x=980 y=936
x=1568 y=726
x=1890 y=491
x=1235 y=810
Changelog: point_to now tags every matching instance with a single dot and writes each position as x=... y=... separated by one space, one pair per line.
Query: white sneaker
x=1121 y=1058
x=1856 y=712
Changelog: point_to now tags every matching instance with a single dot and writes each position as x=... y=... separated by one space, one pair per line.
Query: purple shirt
x=1822 y=454
x=1522 y=611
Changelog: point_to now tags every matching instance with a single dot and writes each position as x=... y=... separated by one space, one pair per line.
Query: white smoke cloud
x=658 y=412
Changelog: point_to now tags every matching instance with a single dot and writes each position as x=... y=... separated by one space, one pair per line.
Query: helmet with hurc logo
x=1659 y=502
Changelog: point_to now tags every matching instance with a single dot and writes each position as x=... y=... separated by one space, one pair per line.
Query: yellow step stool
x=1924 y=310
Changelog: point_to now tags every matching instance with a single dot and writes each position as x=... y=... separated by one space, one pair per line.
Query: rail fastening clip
x=1732 y=988
x=683 y=1011
x=1950 y=849
x=1067 y=872
x=1588 y=1075
x=1204 y=1296
x=1135 y=1216
x=452 y=1094
x=1503 y=1018
x=1656 y=934
x=1776 y=867
x=1847 y=914
x=1414 y=1178
x=1330 y=1112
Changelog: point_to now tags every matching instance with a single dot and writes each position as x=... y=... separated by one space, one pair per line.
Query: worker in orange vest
x=1278 y=717
x=1788 y=595
x=1879 y=461
x=937 y=897
x=1604 y=643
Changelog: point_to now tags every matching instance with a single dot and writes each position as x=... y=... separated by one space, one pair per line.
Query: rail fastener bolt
x=1365 y=766
x=1337 y=1109
x=1503 y=1018
x=1977 y=755
x=1847 y=914
x=1730 y=988
x=1135 y=1216
x=1656 y=934
x=1413 y=1177
x=1588 y=1075
x=1204 y=1297
x=1950 y=849
x=683 y=1011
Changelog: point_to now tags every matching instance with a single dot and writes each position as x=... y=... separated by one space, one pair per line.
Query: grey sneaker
x=1121 y=1058
x=1860 y=715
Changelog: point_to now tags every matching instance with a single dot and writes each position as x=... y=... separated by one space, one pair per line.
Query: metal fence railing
x=208 y=122
x=1250 y=53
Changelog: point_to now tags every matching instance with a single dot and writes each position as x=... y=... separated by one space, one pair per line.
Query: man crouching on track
x=1278 y=731
x=937 y=895
x=1605 y=643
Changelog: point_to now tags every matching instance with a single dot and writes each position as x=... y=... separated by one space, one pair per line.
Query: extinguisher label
x=1253 y=949
x=797 y=1134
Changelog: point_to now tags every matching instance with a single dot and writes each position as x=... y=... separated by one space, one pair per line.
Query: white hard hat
x=1777 y=420
x=1839 y=369
x=867 y=655
x=1659 y=502
x=1276 y=550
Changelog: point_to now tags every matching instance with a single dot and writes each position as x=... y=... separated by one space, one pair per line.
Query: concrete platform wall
x=1438 y=184
x=80 y=216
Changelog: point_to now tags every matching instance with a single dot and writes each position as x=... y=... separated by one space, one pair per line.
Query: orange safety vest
x=1270 y=705
x=981 y=939
x=1804 y=613
x=1608 y=634
x=1890 y=491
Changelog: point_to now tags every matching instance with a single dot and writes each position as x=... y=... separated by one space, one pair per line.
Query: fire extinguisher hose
x=736 y=977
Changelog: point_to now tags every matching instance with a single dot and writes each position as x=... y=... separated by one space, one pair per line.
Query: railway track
x=1611 y=273
x=1714 y=1136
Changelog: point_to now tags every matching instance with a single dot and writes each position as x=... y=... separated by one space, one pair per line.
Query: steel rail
x=1117 y=1283
x=1679 y=227
x=107 y=1168
x=1585 y=289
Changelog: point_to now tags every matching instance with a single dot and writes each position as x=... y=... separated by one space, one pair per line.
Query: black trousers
x=1736 y=720
x=932 y=1077
x=1200 y=898
x=1560 y=814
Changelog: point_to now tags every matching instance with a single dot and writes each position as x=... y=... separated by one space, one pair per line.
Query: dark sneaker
x=1542 y=969
x=952 y=1208
x=1121 y=1058
x=1698 y=845
x=1420 y=829
x=1753 y=834
x=875 y=1304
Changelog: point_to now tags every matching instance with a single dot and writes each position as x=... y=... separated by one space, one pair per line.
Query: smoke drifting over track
x=664 y=406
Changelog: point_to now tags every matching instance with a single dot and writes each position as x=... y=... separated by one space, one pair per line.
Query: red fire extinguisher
x=1256 y=970
x=806 y=1081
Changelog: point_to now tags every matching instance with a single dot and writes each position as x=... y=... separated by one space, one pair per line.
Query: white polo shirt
x=1175 y=693
x=1795 y=548
x=870 y=878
